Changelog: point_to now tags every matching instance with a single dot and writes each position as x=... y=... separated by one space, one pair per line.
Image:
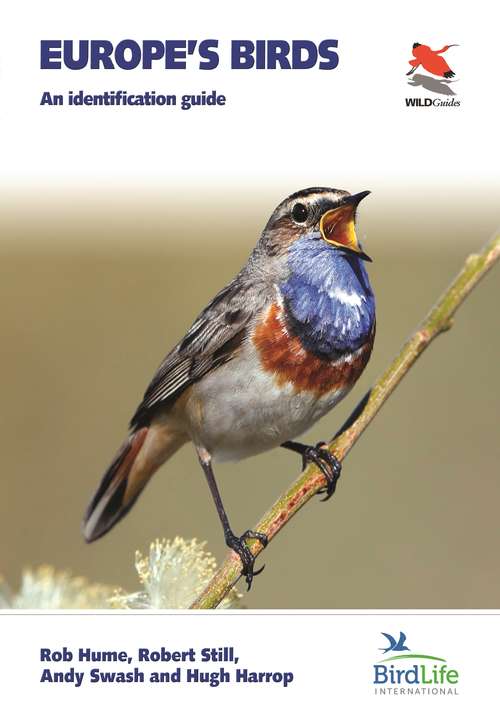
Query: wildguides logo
x=435 y=76
x=407 y=673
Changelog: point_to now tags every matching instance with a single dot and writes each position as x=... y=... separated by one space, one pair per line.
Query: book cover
x=228 y=233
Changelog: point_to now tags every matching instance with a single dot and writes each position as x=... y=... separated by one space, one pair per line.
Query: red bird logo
x=431 y=60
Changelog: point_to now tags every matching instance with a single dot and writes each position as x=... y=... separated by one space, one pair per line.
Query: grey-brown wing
x=212 y=340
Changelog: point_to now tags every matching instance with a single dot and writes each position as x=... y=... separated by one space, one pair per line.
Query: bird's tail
x=142 y=453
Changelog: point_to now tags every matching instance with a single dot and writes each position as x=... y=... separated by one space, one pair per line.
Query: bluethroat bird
x=275 y=350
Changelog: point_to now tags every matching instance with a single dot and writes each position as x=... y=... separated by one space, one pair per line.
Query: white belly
x=239 y=410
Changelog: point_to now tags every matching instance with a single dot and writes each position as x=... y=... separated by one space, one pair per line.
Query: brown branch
x=311 y=480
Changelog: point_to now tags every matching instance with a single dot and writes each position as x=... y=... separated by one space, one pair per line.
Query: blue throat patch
x=328 y=298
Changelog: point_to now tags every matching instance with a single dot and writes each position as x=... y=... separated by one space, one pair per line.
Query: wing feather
x=213 y=339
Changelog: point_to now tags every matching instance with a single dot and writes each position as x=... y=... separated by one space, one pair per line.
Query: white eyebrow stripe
x=318 y=196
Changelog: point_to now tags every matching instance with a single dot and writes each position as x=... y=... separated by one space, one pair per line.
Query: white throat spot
x=353 y=299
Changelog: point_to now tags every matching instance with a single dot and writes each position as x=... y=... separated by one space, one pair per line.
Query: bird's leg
x=412 y=70
x=237 y=544
x=322 y=458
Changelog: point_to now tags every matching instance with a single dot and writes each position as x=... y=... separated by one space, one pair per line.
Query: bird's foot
x=238 y=545
x=327 y=463
x=323 y=459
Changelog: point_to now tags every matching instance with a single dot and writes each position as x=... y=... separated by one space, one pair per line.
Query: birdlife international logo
x=431 y=72
x=402 y=671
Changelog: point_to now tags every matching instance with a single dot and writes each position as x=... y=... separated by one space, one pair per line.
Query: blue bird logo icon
x=395 y=645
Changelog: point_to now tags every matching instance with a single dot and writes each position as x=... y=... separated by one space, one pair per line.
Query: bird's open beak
x=337 y=225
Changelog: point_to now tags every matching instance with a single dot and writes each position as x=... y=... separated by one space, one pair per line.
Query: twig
x=311 y=480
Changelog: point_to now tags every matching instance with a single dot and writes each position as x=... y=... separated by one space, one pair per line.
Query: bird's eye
x=300 y=212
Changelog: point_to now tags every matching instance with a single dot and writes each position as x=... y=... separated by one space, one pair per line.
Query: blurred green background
x=94 y=293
